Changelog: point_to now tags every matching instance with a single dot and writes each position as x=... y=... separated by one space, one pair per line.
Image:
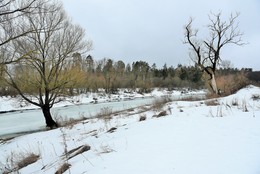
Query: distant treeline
x=111 y=75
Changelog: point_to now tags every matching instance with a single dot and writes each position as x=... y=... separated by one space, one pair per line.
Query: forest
x=90 y=75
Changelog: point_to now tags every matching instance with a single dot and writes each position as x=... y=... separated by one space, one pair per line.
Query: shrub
x=229 y=84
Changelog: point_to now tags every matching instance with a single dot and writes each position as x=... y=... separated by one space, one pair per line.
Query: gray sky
x=153 y=30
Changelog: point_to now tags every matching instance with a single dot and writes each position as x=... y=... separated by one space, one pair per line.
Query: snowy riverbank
x=212 y=136
x=8 y=103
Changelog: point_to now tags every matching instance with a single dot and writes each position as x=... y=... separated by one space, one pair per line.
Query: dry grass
x=31 y=158
x=105 y=113
x=212 y=102
x=212 y=96
x=191 y=98
x=158 y=104
x=64 y=121
x=161 y=114
x=17 y=161
x=63 y=168
x=231 y=83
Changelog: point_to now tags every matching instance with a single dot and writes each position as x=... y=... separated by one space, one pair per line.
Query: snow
x=76 y=107
x=192 y=138
x=17 y=103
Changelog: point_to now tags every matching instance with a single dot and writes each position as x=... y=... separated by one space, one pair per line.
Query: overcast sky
x=153 y=30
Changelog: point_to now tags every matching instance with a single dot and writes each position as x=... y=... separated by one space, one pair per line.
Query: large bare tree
x=44 y=72
x=206 y=53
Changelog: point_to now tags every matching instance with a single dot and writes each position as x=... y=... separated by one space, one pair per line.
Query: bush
x=229 y=84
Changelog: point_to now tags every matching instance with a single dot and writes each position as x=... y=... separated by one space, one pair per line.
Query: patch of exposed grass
x=16 y=162
x=27 y=160
x=63 y=168
x=212 y=102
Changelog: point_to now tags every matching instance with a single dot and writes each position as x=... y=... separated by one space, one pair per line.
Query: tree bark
x=214 y=84
x=48 y=118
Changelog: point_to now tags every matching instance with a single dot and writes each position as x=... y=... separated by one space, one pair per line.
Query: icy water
x=21 y=122
x=27 y=121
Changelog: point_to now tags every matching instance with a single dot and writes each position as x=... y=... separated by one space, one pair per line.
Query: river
x=27 y=121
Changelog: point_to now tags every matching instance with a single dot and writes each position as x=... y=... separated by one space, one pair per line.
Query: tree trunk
x=214 y=84
x=48 y=118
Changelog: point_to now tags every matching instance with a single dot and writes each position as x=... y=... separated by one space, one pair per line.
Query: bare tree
x=11 y=14
x=206 y=53
x=44 y=72
x=226 y=64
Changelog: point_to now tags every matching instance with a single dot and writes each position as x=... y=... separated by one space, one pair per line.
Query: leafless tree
x=12 y=12
x=43 y=73
x=206 y=53
x=226 y=64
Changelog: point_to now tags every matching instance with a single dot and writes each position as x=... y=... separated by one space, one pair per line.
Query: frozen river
x=26 y=121
x=20 y=122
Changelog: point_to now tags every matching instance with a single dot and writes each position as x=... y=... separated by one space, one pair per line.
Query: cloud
x=152 y=30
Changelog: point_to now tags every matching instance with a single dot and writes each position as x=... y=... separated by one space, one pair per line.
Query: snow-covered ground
x=218 y=136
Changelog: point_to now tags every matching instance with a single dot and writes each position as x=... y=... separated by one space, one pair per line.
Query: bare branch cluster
x=221 y=33
x=13 y=23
